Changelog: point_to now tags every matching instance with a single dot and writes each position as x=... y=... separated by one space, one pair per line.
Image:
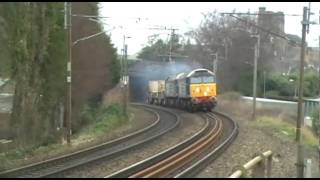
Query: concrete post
x=254 y=91
x=308 y=168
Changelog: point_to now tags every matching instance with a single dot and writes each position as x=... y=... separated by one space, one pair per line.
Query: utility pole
x=319 y=96
x=126 y=79
x=226 y=49
x=264 y=84
x=256 y=56
x=300 y=160
x=215 y=63
x=171 y=39
x=319 y=104
x=124 y=74
x=170 y=54
x=68 y=111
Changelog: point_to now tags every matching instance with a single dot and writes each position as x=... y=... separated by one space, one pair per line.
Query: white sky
x=187 y=16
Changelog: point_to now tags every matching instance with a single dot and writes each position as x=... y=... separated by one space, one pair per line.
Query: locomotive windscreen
x=202 y=79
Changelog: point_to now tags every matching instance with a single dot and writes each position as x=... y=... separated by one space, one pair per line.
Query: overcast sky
x=187 y=16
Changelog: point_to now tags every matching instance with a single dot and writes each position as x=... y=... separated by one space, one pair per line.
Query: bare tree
x=231 y=40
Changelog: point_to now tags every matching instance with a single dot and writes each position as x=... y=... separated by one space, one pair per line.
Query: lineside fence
x=258 y=167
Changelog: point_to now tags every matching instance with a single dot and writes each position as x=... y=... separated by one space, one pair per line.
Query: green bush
x=311 y=83
x=284 y=87
x=281 y=84
x=316 y=122
x=103 y=118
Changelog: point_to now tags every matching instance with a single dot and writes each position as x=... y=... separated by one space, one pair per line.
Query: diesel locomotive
x=194 y=90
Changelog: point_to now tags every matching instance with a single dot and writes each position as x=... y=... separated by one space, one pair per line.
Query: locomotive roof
x=183 y=74
x=200 y=69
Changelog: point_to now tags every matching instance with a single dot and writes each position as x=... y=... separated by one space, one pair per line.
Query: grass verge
x=285 y=130
x=102 y=119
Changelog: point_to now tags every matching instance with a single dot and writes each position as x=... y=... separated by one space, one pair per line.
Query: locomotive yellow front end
x=203 y=91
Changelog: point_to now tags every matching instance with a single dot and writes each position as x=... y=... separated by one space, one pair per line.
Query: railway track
x=190 y=156
x=57 y=167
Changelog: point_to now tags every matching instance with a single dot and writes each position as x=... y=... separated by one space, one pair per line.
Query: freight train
x=194 y=90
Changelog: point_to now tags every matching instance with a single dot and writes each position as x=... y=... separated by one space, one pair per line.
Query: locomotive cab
x=203 y=89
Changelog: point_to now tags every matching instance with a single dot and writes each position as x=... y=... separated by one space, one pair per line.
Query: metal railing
x=258 y=166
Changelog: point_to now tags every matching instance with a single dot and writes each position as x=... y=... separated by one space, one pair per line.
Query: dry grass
x=275 y=120
x=309 y=138
x=284 y=129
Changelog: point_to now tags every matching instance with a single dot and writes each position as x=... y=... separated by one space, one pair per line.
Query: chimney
x=262 y=9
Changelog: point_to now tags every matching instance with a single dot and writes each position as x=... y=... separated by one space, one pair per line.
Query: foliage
x=96 y=67
x=280 y=83
x=244 y=83
x=103 y=117
x=153 y=51
x=311 y=83
x=34 y=40
x=316 y=122
x=115 y=61
x=159 y=49
x=284 y=85
x=231 y=39
x=33 y=55
x=276 y=124
x=103 y=120
x=115 y=70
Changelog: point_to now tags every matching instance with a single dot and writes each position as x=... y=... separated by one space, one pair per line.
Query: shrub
x=316 y=122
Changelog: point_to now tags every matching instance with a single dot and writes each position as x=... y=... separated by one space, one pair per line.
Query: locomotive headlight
x=197 y=89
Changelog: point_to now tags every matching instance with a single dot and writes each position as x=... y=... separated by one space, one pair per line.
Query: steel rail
x=161 y=165
x=171 y=164
x=54 y=161
x=126 y=172
x=173 y=159
x=200 y=164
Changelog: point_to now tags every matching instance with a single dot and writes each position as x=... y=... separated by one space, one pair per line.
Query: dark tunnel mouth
x=140 y=73
x=138 y=89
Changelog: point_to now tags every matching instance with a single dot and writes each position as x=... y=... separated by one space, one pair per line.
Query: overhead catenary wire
x=271 y=13
x=292 y=42
x=266 y=30
x=107 y=17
